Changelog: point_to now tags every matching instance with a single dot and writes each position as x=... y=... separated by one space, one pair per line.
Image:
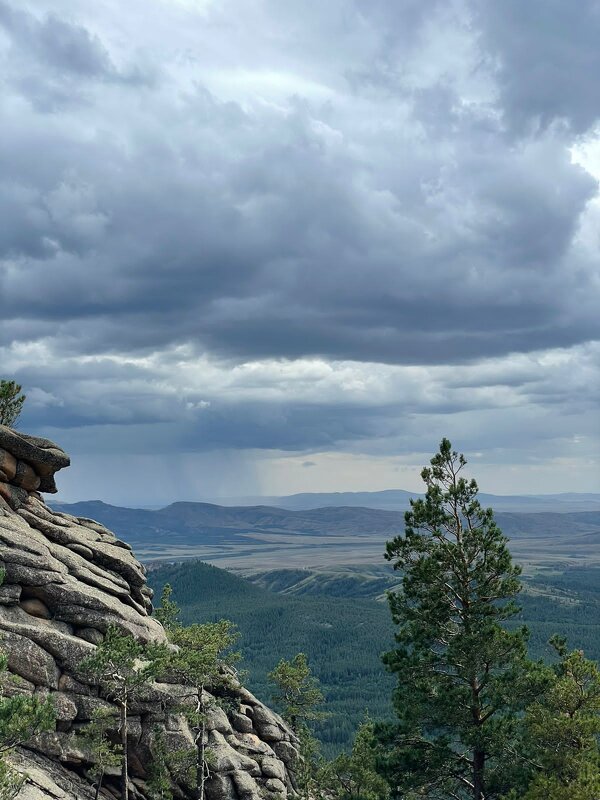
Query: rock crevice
x=66 y=580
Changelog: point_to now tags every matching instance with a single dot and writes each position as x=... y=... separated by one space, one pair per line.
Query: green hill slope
x=352 y=582
x=342 y=637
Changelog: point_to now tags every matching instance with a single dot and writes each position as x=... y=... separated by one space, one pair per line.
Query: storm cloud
x=347 y=227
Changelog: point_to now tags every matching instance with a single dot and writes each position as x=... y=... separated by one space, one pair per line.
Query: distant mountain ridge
x=188 y=518
x=399 y=500
x=268 y=537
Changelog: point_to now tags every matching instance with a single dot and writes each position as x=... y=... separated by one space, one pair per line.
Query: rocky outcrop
x=66 y=580
x=27 y=463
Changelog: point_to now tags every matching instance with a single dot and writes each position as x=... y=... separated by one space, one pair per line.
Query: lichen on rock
x=68 y=579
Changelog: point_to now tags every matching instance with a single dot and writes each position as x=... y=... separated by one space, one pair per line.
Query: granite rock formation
x=66 y=580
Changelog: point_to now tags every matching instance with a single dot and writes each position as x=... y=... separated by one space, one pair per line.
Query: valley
x=261 y=538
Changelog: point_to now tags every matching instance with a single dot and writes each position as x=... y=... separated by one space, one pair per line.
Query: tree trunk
x=200 y=746
x=203 y=759
x=125 y=753
x=99 y=785
x=478 y=773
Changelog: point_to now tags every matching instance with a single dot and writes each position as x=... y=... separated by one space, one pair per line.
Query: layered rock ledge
x=66 y=580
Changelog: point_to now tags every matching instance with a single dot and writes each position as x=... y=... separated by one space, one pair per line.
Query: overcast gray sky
x=266 y=246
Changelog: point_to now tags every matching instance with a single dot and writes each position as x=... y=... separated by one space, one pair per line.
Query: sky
x=269 y=246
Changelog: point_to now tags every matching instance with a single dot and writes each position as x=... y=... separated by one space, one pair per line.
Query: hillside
x=344 y=581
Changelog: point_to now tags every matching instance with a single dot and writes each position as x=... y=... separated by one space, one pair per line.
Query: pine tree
x=123 y=667
x=11 y=781
x=353 y=776
x=22 y=717
x=298 y=697
x=11 y=402
x=159 y=777
x=168 y=613
x=95 y=737
x=204 y=661
x=297 y=693
x=562 y=730
x=463 y=678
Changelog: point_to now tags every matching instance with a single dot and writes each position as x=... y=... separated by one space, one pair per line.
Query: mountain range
x=248 y=538
x=399 y=500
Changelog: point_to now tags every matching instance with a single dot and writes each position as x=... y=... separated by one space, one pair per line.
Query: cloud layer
x=238 y=227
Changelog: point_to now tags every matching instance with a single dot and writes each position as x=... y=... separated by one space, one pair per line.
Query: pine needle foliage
x=204 y=660
x=353 y=775
x=463 y=678
x=11 y=402
x=22 y=716
x=123 y=667
x=297 y=692
x=103 y=752
x=562 y=731
x=298 y=696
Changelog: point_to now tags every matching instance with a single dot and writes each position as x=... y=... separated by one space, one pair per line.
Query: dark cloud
x=52 y=62
x=377 y=183
x=283 y=249
x=56 y=44
x=546 y=54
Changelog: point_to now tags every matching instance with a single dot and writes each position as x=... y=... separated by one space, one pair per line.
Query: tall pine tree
x=463 y=678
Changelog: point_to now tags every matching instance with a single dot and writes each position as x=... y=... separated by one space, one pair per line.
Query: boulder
x=245 y=786
x=67 y=683
x=8 y=465
x=13 y=495
x=42 y=454
x=30 y=661
x=226 y=759
x=10 y=594
x=81 y=550
x=216 y=720
x=12 y=684
x=276 y=786
x=67 y=650
x=60 y=745
x=47 y=779
x=267 y=724
x=220 y=787
x=35 y=608
x=272 y=768
x=250 y=744
x=286 y=752
x=241 y=722
x=66 y=709
x=92 y=635
x=86 y=706
x=26 y=477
